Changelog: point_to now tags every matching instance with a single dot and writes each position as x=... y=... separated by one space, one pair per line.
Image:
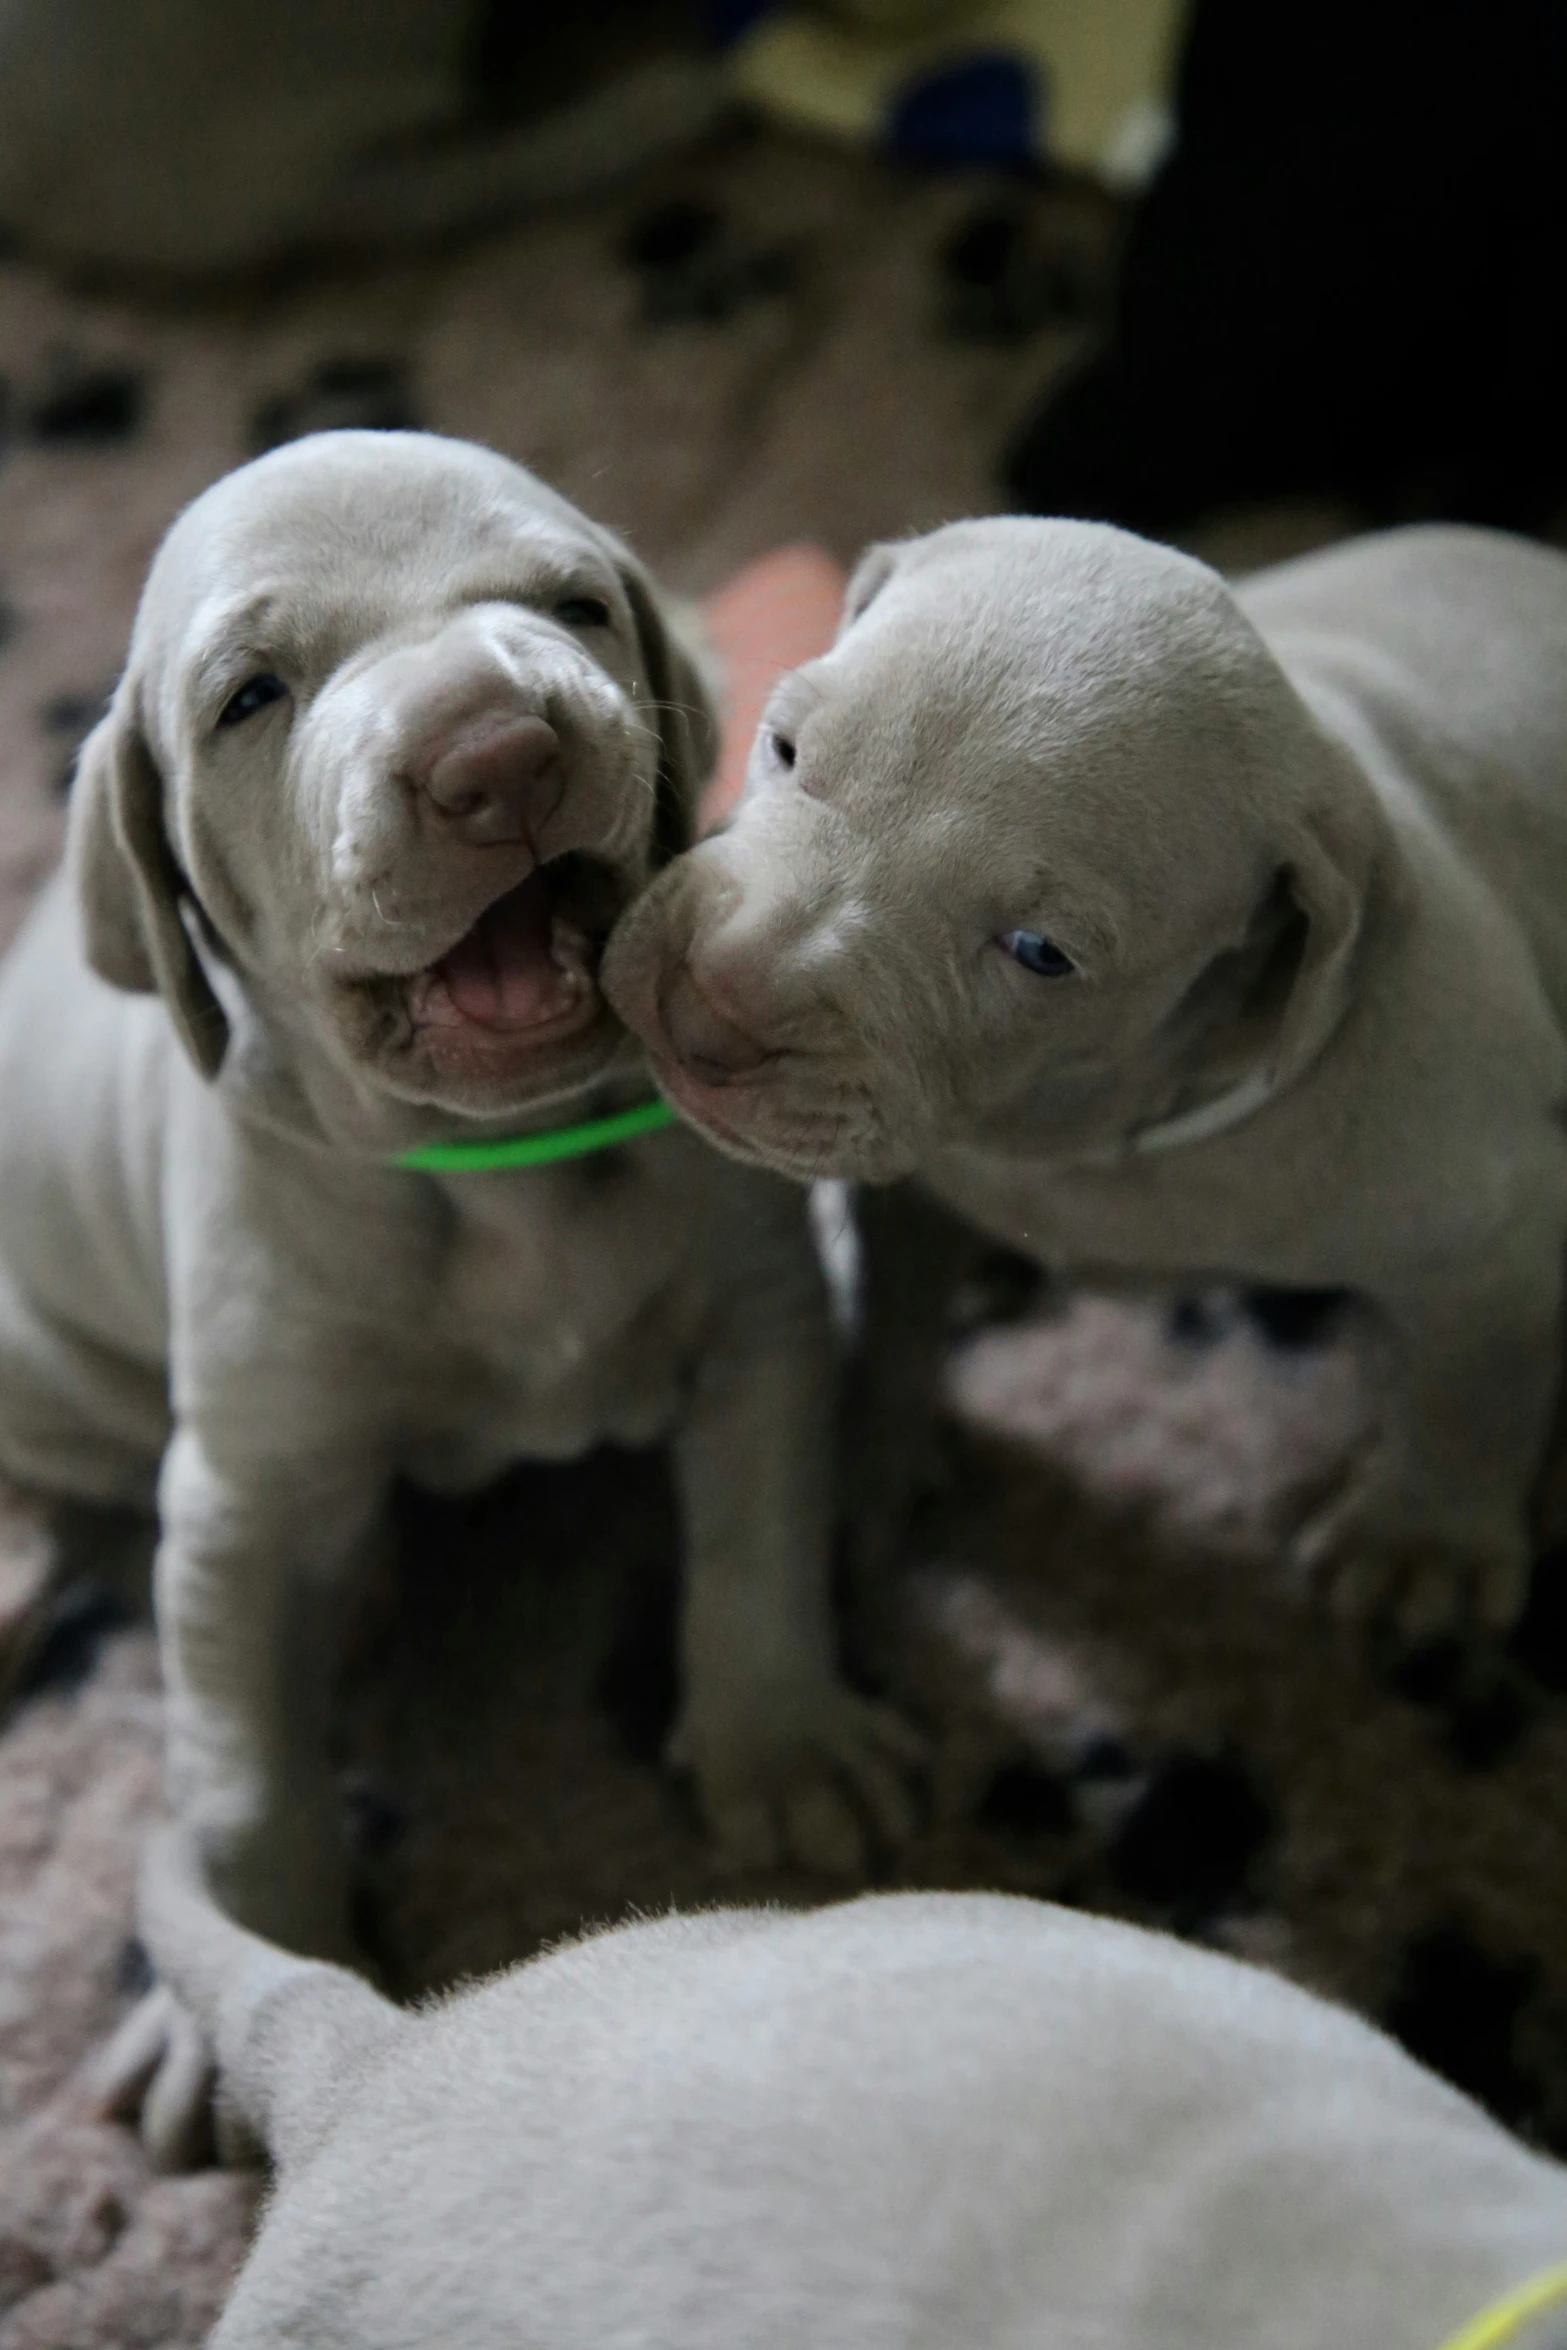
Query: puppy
x=296 y=127
x=399 y=735
x=907 y=2122
x=1168 y=930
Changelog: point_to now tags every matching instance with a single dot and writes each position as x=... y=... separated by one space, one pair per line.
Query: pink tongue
x=501 y=975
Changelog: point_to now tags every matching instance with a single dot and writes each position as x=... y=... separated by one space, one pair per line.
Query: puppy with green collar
x=305 y=1078
x=1167 y=930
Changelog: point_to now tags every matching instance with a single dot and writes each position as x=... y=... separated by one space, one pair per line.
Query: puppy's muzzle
x=500 y=781
x=705 y=1042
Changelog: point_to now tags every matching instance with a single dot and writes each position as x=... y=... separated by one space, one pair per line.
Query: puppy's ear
x=687 y=721
x=130 y=887
x=869 y=576
x=1326 y=878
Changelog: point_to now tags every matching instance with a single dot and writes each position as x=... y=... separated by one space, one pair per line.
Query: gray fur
x=1304 y=843
x=907 y=2123
x=206 y=1261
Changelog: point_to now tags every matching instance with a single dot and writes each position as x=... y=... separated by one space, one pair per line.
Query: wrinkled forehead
x=339 y=538
x=1065 y=651
x=998 y=613
x=1036 y=710
x=955 y=668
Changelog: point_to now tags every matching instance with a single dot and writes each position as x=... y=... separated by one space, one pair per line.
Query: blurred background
x=735 y=275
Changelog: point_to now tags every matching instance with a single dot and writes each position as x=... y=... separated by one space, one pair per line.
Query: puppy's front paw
x=822 y=1778
x=158 y=2073
x=1423 y=1590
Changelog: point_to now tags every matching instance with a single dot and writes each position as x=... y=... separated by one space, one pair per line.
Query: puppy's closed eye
x=1038 y=954
x=253 y=695
x=782 y=747
x=582 y=612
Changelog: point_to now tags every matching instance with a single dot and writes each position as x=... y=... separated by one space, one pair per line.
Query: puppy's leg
x=249 y=1576
x=249 y=1582
x=786 y=1759
x=1432 y=1532
x=913 y=1254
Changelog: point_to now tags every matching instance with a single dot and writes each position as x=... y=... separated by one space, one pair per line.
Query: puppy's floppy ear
x=687 y=721
x=130 y=887
x=1326 y=875
x=869 y=576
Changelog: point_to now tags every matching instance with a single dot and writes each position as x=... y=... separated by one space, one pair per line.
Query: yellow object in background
x=1102 y=67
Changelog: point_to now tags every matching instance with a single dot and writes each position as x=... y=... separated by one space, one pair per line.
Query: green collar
x=536 y=1150
x=1505 y=2320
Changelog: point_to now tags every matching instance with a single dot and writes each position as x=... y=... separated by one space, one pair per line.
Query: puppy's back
x=1443 y=651
x=85 y=1078
x=910 y=2121
x=1457 y=636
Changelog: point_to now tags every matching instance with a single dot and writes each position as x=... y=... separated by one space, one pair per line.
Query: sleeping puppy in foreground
x=1164 y=929
x=399 y=735
x=909 y=2122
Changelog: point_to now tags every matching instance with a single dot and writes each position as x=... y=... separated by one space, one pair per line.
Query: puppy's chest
x=564 y=1313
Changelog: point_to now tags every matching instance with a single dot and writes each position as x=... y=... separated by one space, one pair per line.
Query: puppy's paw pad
x=158 y=2073
x=1418 y=1592
x=823 y=1782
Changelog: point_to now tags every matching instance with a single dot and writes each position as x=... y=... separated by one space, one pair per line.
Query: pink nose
x=498 y=782
x=701 y=1039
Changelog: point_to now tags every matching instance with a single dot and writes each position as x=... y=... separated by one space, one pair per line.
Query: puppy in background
x=171 y=138
x=1167 y=930
x=400 y=734
x=904 y=2123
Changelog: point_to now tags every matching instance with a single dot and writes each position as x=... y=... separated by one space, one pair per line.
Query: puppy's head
x=1044 y=852
x=400 y=735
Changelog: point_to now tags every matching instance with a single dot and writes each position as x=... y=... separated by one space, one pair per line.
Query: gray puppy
x=1168 y=930
x=399 y=735
x=905 y=2123
x=172 y=136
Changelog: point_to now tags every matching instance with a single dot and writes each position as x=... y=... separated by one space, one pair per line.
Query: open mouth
x=527 y=971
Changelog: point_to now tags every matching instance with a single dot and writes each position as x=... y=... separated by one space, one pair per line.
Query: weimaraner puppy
x=1167 y=929
x=174 y=137
x=905 y=2123
x=399 y=735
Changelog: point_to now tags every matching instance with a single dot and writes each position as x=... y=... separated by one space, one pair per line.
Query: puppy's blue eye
x=252 y=696
x=583 y=612
x=1036 y=954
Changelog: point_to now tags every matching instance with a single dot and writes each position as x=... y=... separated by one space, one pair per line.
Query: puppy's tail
x=288 y=2034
